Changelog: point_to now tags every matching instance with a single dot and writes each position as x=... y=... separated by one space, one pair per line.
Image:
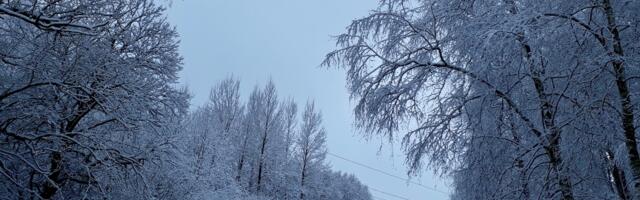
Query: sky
x=286 y=40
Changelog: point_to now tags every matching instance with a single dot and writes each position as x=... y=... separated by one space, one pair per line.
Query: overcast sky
x=286 y=40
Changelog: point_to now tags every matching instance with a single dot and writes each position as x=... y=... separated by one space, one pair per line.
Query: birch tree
x=310 y=145
x=541 y=81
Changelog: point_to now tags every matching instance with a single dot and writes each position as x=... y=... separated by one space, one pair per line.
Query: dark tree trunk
x=51 y=186
x=261 y=159
x=625 y=96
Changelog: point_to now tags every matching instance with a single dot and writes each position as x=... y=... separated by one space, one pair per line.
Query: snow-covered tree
x=267 y=130
x=507 y=93
x=225 y=163
x=75 y=16
x=77 y=111
x=310 y=146
x=90 y=109
x=290 y=122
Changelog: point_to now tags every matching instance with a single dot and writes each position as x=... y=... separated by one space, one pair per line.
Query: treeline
x=261 y=148
x=90 y=109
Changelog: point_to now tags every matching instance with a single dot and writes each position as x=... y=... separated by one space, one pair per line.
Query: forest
x=509 y=99
x=90 y=108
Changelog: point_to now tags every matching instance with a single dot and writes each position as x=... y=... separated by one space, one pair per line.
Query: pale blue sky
x=287 y=40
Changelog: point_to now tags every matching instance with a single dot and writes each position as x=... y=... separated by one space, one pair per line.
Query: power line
x=385 y=173
x=390 y=194
x=377 y=197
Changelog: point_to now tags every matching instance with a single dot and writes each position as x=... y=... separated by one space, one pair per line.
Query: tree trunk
x=260 y=160
x=555 y=159
x=241 y=161
x=546 y=113
x=51 y=186
x=617 y=177
x=625 y=96
x=519 y=162
x=303 y=174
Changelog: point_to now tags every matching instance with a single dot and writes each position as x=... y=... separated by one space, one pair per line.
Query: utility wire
x=377 y=197
x=390 y=194
x=386 y=173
